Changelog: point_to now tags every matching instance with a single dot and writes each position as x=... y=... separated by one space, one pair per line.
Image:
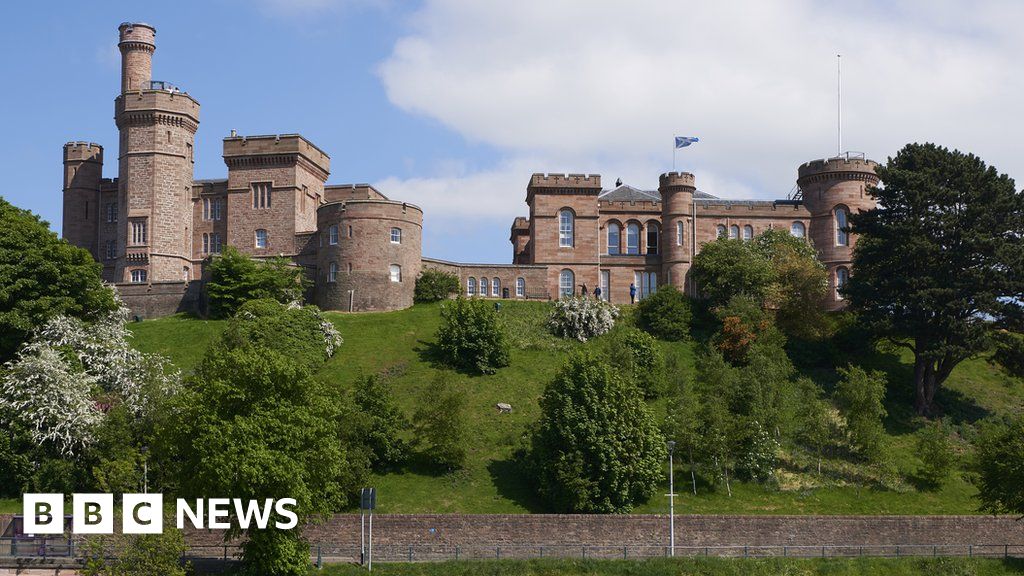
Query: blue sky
x=452 y=104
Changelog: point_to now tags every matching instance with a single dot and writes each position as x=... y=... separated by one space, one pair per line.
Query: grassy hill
x=399 y=343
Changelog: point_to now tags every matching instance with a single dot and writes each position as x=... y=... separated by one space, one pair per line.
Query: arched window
x=721 y=231
x=332 y=235
x=496 y=287
x=520 y=287
x=748 y=232
x=565 y=228
x=471 y=286
x=734 y=232
x=614 y=232
x=679 y=233
x=332 y=272
x=566 y=283
x=138 y=276
x=842 y=231
x=842 y=277
x=653 y=232
x=632 y=238
x=485 y=286
x=798 y=229
x=261 y=238
x=396 y=273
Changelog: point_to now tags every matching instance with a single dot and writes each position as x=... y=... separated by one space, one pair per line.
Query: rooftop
x=627 y=193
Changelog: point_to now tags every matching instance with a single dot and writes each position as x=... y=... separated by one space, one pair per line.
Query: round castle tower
x=83 y=168
x=356 y=272
x=137 y=44
x=833 y=189
x=676 y=189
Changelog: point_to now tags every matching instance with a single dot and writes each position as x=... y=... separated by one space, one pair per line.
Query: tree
x=682 y=419
x=637 y=353
x=859 y=395
x=434 y=285
x=472 y=337
x=801 y=283
x=814 y=425
x=384 y=422
x=940 y=261
x=936 y=453
x=301 y=333
x=439 y=424
x=236 y=278
x=42 y=277
x=730 y=267
x=665 y=314
x=1000 y=466
x=743 y=322
x=138 y=555
x=1009 y=353
x=596 y=447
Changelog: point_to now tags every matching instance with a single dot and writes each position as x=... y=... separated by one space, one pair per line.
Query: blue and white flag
x=684 y=141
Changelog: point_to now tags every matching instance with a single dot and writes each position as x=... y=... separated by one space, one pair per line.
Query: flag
x=684 y=141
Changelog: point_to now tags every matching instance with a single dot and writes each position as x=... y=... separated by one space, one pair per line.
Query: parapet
x=137 y=33
x=83 y=151
x=671 y=179
x=851 y=163
x=341 y=192
x=521 y=224
x=566 y=181
x=236 y=147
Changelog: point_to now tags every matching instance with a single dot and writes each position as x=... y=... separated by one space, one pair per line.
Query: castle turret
x=676 y=189
x=833 y=189
x=83 y=168
x=137 y=44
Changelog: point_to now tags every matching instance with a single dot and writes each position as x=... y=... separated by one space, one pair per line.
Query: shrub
x=236 y=278
x=439 y=424
x=726 y=268
x=1010 y=353
x=743 y=322
x=859 y=395
x=1000 y=467
x=665 y=314
x=637 y=352
x=581 y=317
x=139 y=555
x=384 y=422
x=301 y=333
x=936 y=453
x=435 y=285
x=759 y=454
x=472 y=337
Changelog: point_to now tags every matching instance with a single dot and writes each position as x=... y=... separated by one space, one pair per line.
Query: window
x=734 y=232
x=218 y=208
x=842 y=277
x=720 y=232
x=646 y=283
x=606 y=283
x=485 y=286
x=261 y=195
x=565 y=229
x=349 y=267
x=138 y=276
x=633 y=239
x=188 y=152
x=614 y=232
x=842 y=232
x=110 y=249
x=206 y=208
x=798 y=229
x=349 y=230
x=206 y=243
x=496 y=287
x=212 y=208
x=566 y=283
x=332 y=272
x=261 y=238
x=332 y=235
x=396 y=273
x=471 y=286
x=679 y=233
x=748 y=232
x=138 y=232
x=652 y=238
x=520 y=287
x=211 y=243
x=396 y=235
x=112 y=212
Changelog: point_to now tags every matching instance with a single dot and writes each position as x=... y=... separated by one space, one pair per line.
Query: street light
x=671 y=501
x=145 y=469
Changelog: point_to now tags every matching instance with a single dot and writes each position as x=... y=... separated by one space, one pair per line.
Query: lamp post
x=671 y=502
x=145 y=469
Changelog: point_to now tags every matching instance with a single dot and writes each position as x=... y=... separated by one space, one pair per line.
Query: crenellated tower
x=676 y=190
x=83 y=168
x=832 y=190
x=157 y=124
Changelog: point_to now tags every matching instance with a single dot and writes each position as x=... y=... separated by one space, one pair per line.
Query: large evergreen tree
x=940 y=261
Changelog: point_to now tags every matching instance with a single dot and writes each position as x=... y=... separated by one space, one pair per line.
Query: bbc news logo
x=143 y=513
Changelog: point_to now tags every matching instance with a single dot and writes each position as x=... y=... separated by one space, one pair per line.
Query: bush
x=760 y=453
x=581 y=317
x=665 y=314
x=637 y=353
x=301 y=333
x=236 y=278
x=139 y=555
x=1000 y=467
x=859 y=395
x=743 y=322
x=1010 y=353
x=435 y=285
x=439 y=424
x=936 y=453
x=384 y=422
x=726 y=268
x=472 y=337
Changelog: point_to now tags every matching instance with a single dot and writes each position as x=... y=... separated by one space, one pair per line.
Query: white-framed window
x=565 y=228
x=138 y=232
x=842 y=277
x=614 y=234
x=485 y=286
x=138 y=276
x=206 y=209
x=496 y=287
x=332 y=234
x=646 y=283
x=396 y=273
x=653 y=234
x=110 y=249
x=261 y=195
x=734 y=232
x=842 y=226
x=520 y=287
x=396 y=235
x=112 y=212
x=261 y=238
x=213 y=208
x=206 y=243
x=471 y=286
x=332 y=272
x=606 y=285
x=679 y=233
x=211 y=243
x=748 y=232
x=566 y=283
x=721 y=232
x=798 y=229
x=632 y=238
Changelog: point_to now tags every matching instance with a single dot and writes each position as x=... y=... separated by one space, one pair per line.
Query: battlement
x=671 y=179
x=856 y=165
x=338 y=192
x=166 y=101
x=136 y=33
x=565 y=181
x=274 y=145
x=521 y=223
x=83 y=151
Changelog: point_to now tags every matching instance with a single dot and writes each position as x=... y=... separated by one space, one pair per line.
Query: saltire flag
x=684 y=141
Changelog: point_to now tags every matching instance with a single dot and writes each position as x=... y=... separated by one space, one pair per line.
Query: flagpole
x=839 y=104
x=674 y=148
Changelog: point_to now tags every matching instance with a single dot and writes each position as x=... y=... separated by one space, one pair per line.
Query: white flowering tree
x=63 y=381
x=582 y=317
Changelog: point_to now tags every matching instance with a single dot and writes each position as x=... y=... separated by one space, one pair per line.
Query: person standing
x=632 y=293
x=597 y=292
x=584 y=292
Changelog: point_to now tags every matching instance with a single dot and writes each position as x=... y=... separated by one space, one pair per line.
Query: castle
x=154 y=227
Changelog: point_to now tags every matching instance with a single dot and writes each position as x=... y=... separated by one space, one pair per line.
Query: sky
x=453 y=104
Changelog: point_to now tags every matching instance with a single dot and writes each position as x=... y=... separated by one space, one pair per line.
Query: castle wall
x=535 y=278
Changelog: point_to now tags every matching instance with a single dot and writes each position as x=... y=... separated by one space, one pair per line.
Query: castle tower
x=832 y=190
x=157 y=125
x=564 y=224
x=676 y=189
x=83 y=168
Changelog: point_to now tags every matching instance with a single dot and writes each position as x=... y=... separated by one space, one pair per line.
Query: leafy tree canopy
x=665 y=314
x=731 y=267
x=236 y=278
x=434 y=285
x=472 y=336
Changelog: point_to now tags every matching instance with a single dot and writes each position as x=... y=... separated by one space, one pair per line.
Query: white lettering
x=196 y=516
x=218 y=508
x=281 y=507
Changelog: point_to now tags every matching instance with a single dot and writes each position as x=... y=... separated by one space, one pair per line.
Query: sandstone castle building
x=155 y=226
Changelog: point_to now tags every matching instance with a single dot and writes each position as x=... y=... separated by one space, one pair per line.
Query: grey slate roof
x=627 y=193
